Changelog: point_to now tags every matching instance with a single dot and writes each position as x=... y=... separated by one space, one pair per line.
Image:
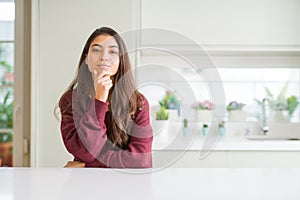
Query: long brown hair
x=124 y=100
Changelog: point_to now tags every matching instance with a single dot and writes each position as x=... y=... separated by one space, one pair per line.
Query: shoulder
x=65 y=99
x=142 y=102
x=142 y=108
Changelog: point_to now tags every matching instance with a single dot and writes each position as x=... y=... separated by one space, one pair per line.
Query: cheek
x=88 y=63
x=116 y=65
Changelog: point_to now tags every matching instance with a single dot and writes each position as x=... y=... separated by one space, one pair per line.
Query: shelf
x=224 y=56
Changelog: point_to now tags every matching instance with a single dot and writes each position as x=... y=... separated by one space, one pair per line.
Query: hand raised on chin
x=102 y=84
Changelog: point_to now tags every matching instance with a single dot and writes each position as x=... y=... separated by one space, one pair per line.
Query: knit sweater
x=85 y=136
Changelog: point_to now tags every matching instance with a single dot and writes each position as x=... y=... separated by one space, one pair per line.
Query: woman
x=105 y=120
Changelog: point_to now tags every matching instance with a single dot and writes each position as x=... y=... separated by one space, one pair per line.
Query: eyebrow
x=111 y=46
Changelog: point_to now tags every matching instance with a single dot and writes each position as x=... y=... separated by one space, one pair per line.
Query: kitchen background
x=254 y=45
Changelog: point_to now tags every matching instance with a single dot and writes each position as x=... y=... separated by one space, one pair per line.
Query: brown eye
x=95 y=50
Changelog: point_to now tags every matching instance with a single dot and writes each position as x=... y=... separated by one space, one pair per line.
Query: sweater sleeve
x=84 y=134
x=139 y=150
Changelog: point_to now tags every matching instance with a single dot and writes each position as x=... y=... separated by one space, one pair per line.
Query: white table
x=170 y=183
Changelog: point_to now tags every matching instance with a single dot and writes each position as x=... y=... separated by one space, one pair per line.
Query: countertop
x=234 y=139
x=168 y=183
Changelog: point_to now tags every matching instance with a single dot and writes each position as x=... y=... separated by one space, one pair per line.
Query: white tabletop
x=170 y=183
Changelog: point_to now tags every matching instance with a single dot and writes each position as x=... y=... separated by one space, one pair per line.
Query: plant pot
x=173 y=114
x=203 y=115
x=279 y=116
x=237 y=115
x=160 y=130
x=5 y=151
x=204 y=131
x=222 y=131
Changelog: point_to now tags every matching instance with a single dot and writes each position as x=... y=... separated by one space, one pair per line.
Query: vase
x=160 y=130
x=205 y=131
x=222 y=131
x=281 y=116
x=173 y=114
x=203 y=115
x=5 y=151
x=237 y=115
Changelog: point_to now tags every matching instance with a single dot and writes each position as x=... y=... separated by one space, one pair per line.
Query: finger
x=102 y=79
x=103 y=82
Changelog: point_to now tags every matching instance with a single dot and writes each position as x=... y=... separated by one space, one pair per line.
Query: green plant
x=6 y=137
x=221 y=124
x=185 y=123
x=6 y=77
x=6 y=112
x=162 y=114
x=205 y=125
x=282 y=103
x=234 y=105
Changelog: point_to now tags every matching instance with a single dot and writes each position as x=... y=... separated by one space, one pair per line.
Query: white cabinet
x=231 y=22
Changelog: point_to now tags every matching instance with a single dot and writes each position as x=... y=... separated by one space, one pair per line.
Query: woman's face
x=103 y=55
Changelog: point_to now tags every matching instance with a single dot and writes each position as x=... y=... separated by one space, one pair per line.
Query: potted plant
x=205 y=129
x=185 y=127
x=221 y=127
x=171 y=104
x=6 y=124
x=236 y=112
x=282 y=107
x=203 y=111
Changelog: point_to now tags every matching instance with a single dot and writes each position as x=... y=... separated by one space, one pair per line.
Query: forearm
x=137 y=155
x=84 y=135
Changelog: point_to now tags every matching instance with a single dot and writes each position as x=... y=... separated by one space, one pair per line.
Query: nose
x=104 y=56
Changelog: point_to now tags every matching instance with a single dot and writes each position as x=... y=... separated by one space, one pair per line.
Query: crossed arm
x=84 y=135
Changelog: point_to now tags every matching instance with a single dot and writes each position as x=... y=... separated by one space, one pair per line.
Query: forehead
x=105 y=40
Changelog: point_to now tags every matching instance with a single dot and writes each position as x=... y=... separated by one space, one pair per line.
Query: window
x=244 y=84
x=7 y=13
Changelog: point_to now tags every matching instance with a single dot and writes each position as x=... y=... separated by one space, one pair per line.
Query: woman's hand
x=74 y=164
x=102 y=84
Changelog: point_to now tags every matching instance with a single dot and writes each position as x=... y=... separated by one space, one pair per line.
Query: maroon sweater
x=85 y=136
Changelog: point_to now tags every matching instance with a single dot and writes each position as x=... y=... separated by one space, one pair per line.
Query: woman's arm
x=139 y=151
x=84 y=134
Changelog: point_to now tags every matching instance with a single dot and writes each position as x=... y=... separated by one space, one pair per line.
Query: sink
x=278 y=131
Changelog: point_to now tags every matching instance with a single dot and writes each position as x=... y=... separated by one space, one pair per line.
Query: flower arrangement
x=169 y=101
x=234 y=105
x=203 y=105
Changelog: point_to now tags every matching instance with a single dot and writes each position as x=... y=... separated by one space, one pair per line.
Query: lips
x=103 y=66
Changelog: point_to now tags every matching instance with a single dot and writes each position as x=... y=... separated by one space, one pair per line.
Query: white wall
x=60 y=29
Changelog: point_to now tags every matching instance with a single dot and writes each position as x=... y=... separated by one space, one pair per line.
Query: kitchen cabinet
x=225 y=23
x=234 y=33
